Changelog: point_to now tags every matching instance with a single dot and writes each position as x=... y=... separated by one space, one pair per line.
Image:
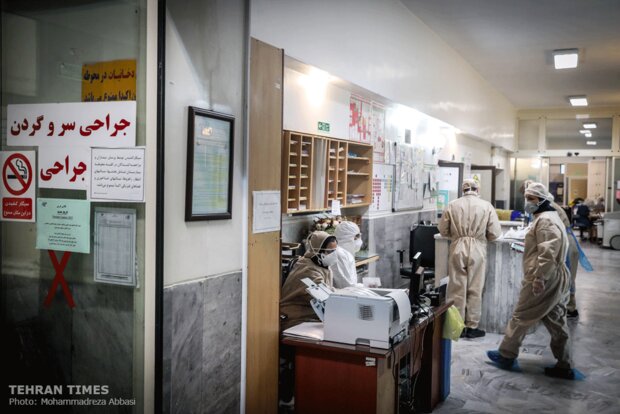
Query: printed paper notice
x=336 y=207
x=266 y=211
x=117 y=174
x=63 y=224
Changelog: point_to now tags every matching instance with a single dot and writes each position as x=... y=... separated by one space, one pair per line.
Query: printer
x=361 y=316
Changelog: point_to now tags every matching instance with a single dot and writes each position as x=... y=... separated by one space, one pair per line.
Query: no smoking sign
x=17 y=189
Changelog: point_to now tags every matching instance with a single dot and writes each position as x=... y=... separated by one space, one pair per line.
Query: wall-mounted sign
x=109 y=81
x=210 y=150
x=90 y=124
x=18 y=185
x=323 y=126
x=66 y=168
x=63 y=224
x=266 y=212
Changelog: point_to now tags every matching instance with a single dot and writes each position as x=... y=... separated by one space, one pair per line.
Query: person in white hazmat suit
x=573 y=255
x=545 y=286
x=469 y=222
x=349 y=242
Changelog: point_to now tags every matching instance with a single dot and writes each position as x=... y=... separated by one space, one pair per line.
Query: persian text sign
x=92 y=124
x=109 y=81
x=61 y=167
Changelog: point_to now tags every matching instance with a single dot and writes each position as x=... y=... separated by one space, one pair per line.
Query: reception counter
x=504 y=272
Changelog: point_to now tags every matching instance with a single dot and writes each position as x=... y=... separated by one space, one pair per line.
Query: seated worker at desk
x=295 y=305
x=349 y=242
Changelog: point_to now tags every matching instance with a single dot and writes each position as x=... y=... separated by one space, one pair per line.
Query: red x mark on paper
x=59 y=278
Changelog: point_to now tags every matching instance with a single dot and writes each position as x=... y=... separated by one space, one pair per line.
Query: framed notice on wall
x=208 y=193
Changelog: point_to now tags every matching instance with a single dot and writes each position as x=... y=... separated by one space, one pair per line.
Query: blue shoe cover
x=509 y=364
x=569 y=374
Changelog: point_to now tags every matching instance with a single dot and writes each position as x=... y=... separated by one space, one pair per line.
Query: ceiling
x=510 y=43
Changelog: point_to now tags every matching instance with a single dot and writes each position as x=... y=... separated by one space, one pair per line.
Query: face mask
x=352 y=246
x=531 y=207
x=328 y=259
x=358 y=244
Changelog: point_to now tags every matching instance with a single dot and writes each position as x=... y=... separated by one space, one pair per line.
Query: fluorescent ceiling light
x=584 y=131
x=589 y=125
x=578 y=100
x=565 y=58
x=588 y=134
x=591 y=142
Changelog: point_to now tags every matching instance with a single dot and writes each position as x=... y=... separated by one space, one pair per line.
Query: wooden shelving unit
x=297 y=170
x=317 y=170
x=335 y=184
x=359 y=174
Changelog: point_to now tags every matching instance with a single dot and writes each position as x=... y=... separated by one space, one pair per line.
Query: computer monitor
x=421 y=239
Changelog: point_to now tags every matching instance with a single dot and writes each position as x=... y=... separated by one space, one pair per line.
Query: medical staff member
x=469 y=222
x=349 y=242
x=573 y=254
x=295 y=305
x=544 y=289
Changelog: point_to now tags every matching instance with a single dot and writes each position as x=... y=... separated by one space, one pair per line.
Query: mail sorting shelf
x=335 y=378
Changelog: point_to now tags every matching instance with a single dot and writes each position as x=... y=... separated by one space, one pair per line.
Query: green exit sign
x=324 y=126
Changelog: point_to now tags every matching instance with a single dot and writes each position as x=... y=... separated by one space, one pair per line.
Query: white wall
x=201 y=72
x=383 y=47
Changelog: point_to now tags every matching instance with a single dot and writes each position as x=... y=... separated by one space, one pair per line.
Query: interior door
x=577 y=187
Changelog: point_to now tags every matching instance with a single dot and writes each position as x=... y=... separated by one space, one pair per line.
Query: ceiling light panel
x=578 y=100
x=589 y=125
x=565 y=58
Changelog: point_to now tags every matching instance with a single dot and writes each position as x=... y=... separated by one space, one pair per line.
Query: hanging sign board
x=18 y=185
x=90 y=124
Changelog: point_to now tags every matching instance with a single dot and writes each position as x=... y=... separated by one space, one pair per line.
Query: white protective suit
x=469 y=222
x=573 y=257
x=573 y=252
x=546 y=246
x=344 y=271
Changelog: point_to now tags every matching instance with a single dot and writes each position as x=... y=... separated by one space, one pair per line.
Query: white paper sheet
x=404 y=306
x=266 y=210
x=312 y=330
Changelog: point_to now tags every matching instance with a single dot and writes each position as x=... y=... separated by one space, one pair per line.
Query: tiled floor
x=479 y=387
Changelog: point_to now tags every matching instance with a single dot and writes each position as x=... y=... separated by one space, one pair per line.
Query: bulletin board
x=408 y=178
x=382 y=187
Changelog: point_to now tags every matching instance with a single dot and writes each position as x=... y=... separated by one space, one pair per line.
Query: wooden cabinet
x=318 y=170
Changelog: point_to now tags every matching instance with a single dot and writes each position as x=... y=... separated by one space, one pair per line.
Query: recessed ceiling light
x=565 y=58
x=584 y=131
x=578 y=100
x=589 y=125
x=588 y=134
x=591 y=142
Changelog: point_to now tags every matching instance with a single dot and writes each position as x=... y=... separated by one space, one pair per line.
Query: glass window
x=51 y=52
x=576 y=134
x=528 y=134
